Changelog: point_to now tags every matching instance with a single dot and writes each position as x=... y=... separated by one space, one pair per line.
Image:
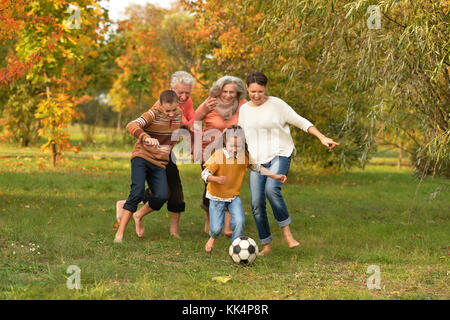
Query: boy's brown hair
x=168 y=96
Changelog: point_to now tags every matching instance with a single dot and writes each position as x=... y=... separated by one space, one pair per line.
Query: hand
x=220 y=179
x=328 y=142
x=151 y=142
x=280 y=178
x=211 y=103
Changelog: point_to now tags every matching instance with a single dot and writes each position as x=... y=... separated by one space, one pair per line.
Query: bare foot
x=210 y=244
x=175 y=235
x=118 y=239
x=292 y=243
x=174 y=223
x=227 y=231
x=119 y=206
x=139 y=226
x=228 y=234
x=265 y=250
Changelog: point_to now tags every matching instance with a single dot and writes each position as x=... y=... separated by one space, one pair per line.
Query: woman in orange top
x=218 y=112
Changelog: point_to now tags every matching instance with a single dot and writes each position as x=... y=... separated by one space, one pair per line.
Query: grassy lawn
x=53 y=218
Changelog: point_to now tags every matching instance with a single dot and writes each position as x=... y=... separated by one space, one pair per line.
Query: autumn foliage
x=357 y=85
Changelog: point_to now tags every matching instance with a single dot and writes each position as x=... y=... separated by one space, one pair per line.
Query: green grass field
x=53 y=218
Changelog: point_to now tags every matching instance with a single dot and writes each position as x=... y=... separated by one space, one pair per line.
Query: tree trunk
x=53 y=149
x=119 y=120
x=87 y=132
x=54 y=154
x=399 y=159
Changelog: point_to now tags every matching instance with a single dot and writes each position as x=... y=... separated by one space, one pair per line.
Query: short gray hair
x=181 y=77
x=217 y=87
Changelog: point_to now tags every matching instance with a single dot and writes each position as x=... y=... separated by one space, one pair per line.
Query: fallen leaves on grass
x=222 y=279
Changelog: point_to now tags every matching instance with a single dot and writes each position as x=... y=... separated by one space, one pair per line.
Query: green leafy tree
x=18 y=118
x=395 y=75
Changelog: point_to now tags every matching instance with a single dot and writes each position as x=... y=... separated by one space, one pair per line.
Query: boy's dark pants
x=176 y=198
x=142 y=170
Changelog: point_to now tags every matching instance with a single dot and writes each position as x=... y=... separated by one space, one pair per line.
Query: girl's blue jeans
x=217 y=215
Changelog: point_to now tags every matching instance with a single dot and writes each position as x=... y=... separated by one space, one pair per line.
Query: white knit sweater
x=266 y=129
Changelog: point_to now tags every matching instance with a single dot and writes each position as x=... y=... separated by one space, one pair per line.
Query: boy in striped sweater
x=153 y=130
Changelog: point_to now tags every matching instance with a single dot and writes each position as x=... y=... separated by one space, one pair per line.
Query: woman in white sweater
x=265 y=121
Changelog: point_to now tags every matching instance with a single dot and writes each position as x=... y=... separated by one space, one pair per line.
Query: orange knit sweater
x=155 y=124
x=233 y=168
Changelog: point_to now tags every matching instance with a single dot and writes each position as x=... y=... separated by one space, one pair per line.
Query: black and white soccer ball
x=243 y=250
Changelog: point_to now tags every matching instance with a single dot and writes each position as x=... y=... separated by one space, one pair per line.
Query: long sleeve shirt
x=221 y=163
x=154 y=124
x=266 y=129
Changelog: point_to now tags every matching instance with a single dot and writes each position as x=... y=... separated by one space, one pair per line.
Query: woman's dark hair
x=257 y=77
x=168 y=96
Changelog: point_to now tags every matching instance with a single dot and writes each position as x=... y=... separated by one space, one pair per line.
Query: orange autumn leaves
x=47 y=53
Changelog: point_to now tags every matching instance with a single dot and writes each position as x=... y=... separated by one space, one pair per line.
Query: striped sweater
x=154 y=124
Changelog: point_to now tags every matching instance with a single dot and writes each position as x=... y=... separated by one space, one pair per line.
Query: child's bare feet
x=210 y=244
x=139 y=225
x=265 y=250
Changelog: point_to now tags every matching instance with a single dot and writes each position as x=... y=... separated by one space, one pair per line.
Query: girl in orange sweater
x=224 y=172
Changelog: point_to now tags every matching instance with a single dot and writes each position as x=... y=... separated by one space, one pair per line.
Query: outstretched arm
x=325 y=141
x=295 y=119
x=266 y=172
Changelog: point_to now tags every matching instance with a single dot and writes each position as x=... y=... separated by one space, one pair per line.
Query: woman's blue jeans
x=262 y=187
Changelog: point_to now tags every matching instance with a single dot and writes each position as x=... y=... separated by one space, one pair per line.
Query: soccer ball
x=243 y=250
